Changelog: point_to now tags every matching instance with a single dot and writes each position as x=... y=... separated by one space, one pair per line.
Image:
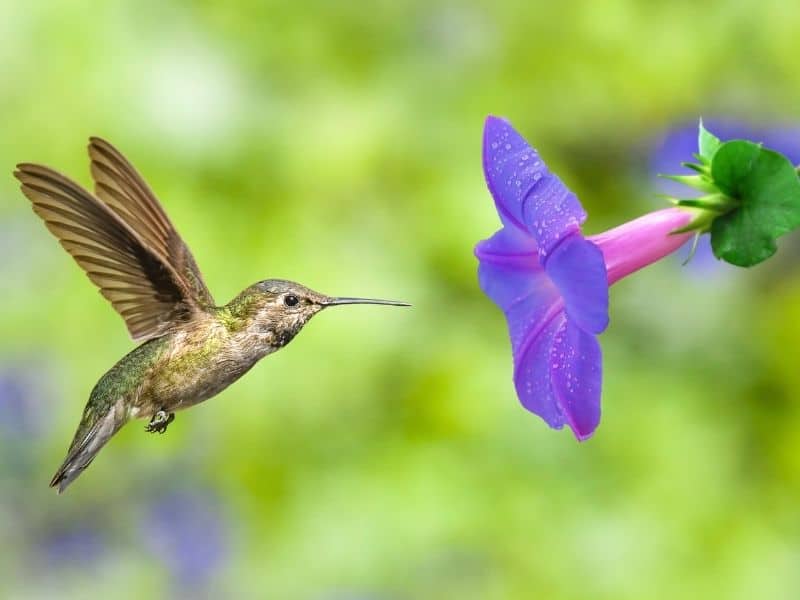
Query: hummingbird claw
x=159 y=422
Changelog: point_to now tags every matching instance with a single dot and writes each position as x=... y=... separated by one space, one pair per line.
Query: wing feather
x=121 y=188
x=137 y=277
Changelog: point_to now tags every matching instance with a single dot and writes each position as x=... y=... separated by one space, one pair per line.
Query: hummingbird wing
x=119 y=185
x=146 y=285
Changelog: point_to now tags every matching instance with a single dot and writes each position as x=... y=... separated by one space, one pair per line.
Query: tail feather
x=86 y=447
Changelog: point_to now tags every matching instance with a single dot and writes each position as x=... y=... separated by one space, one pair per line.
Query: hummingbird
x=191 y=348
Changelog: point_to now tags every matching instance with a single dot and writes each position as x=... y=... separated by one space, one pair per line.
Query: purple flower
x=185 y=529
x=73 y=544
x=552 y=282
x=21 y=410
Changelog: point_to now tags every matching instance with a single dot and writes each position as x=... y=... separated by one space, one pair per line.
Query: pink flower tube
x=643 y=241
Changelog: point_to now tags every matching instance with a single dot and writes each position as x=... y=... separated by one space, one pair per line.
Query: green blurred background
x=384 y=455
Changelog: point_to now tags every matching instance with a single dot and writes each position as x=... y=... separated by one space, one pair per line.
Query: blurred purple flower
x=75 y=543
x=20 y=414
x=186 y=532
x=552 y=283
x=679 y=144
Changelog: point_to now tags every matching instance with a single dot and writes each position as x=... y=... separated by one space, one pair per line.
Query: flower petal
x=509 y=273
x=551 y=212
x=532 y=376
x=527 y=299
x=577 y=268
x=508 y=160
x=509 y=246
x=576 y=375
x=527 y=195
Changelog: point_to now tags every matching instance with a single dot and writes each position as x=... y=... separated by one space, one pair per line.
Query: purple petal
x=526 y=298
x=508 y=161
x=576 y=376
x=532 y=373
x=509 y=246
x=513 y=279
x=552 y=212
x=527 y=195
x=510 y=274
x=577 y=268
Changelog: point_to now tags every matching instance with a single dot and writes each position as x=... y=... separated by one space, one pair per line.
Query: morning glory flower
x=551 y=281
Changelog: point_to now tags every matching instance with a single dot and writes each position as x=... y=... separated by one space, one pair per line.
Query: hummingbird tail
x=86 y=446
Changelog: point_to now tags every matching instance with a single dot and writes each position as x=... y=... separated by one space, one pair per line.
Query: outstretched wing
x=121 y=187
x=144 y=284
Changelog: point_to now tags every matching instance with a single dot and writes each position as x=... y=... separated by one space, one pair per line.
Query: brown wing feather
x=119 y=185
x=142 y=286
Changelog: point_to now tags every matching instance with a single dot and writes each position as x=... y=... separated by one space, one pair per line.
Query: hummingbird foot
x=159 y=422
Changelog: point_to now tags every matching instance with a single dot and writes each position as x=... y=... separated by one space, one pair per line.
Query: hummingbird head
x=280 y=308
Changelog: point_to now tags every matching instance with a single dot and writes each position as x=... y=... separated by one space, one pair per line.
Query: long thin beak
x=338 y=301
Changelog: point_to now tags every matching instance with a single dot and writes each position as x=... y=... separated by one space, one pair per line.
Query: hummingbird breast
x=198 y=362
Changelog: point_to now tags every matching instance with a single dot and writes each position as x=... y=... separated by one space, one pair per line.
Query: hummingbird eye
x=290 y=300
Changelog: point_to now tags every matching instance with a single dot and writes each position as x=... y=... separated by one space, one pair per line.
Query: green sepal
x=702 y=169
x=701 y=221
x=715 y=202
x=707 y=144
x=698 y=182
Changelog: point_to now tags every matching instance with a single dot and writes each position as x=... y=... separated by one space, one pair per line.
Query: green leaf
x=707 y=143
x=767 y=189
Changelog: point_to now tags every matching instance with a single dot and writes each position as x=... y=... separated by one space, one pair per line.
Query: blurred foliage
x=383 y=454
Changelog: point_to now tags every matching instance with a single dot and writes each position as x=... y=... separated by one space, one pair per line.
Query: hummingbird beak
x=340 y=301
